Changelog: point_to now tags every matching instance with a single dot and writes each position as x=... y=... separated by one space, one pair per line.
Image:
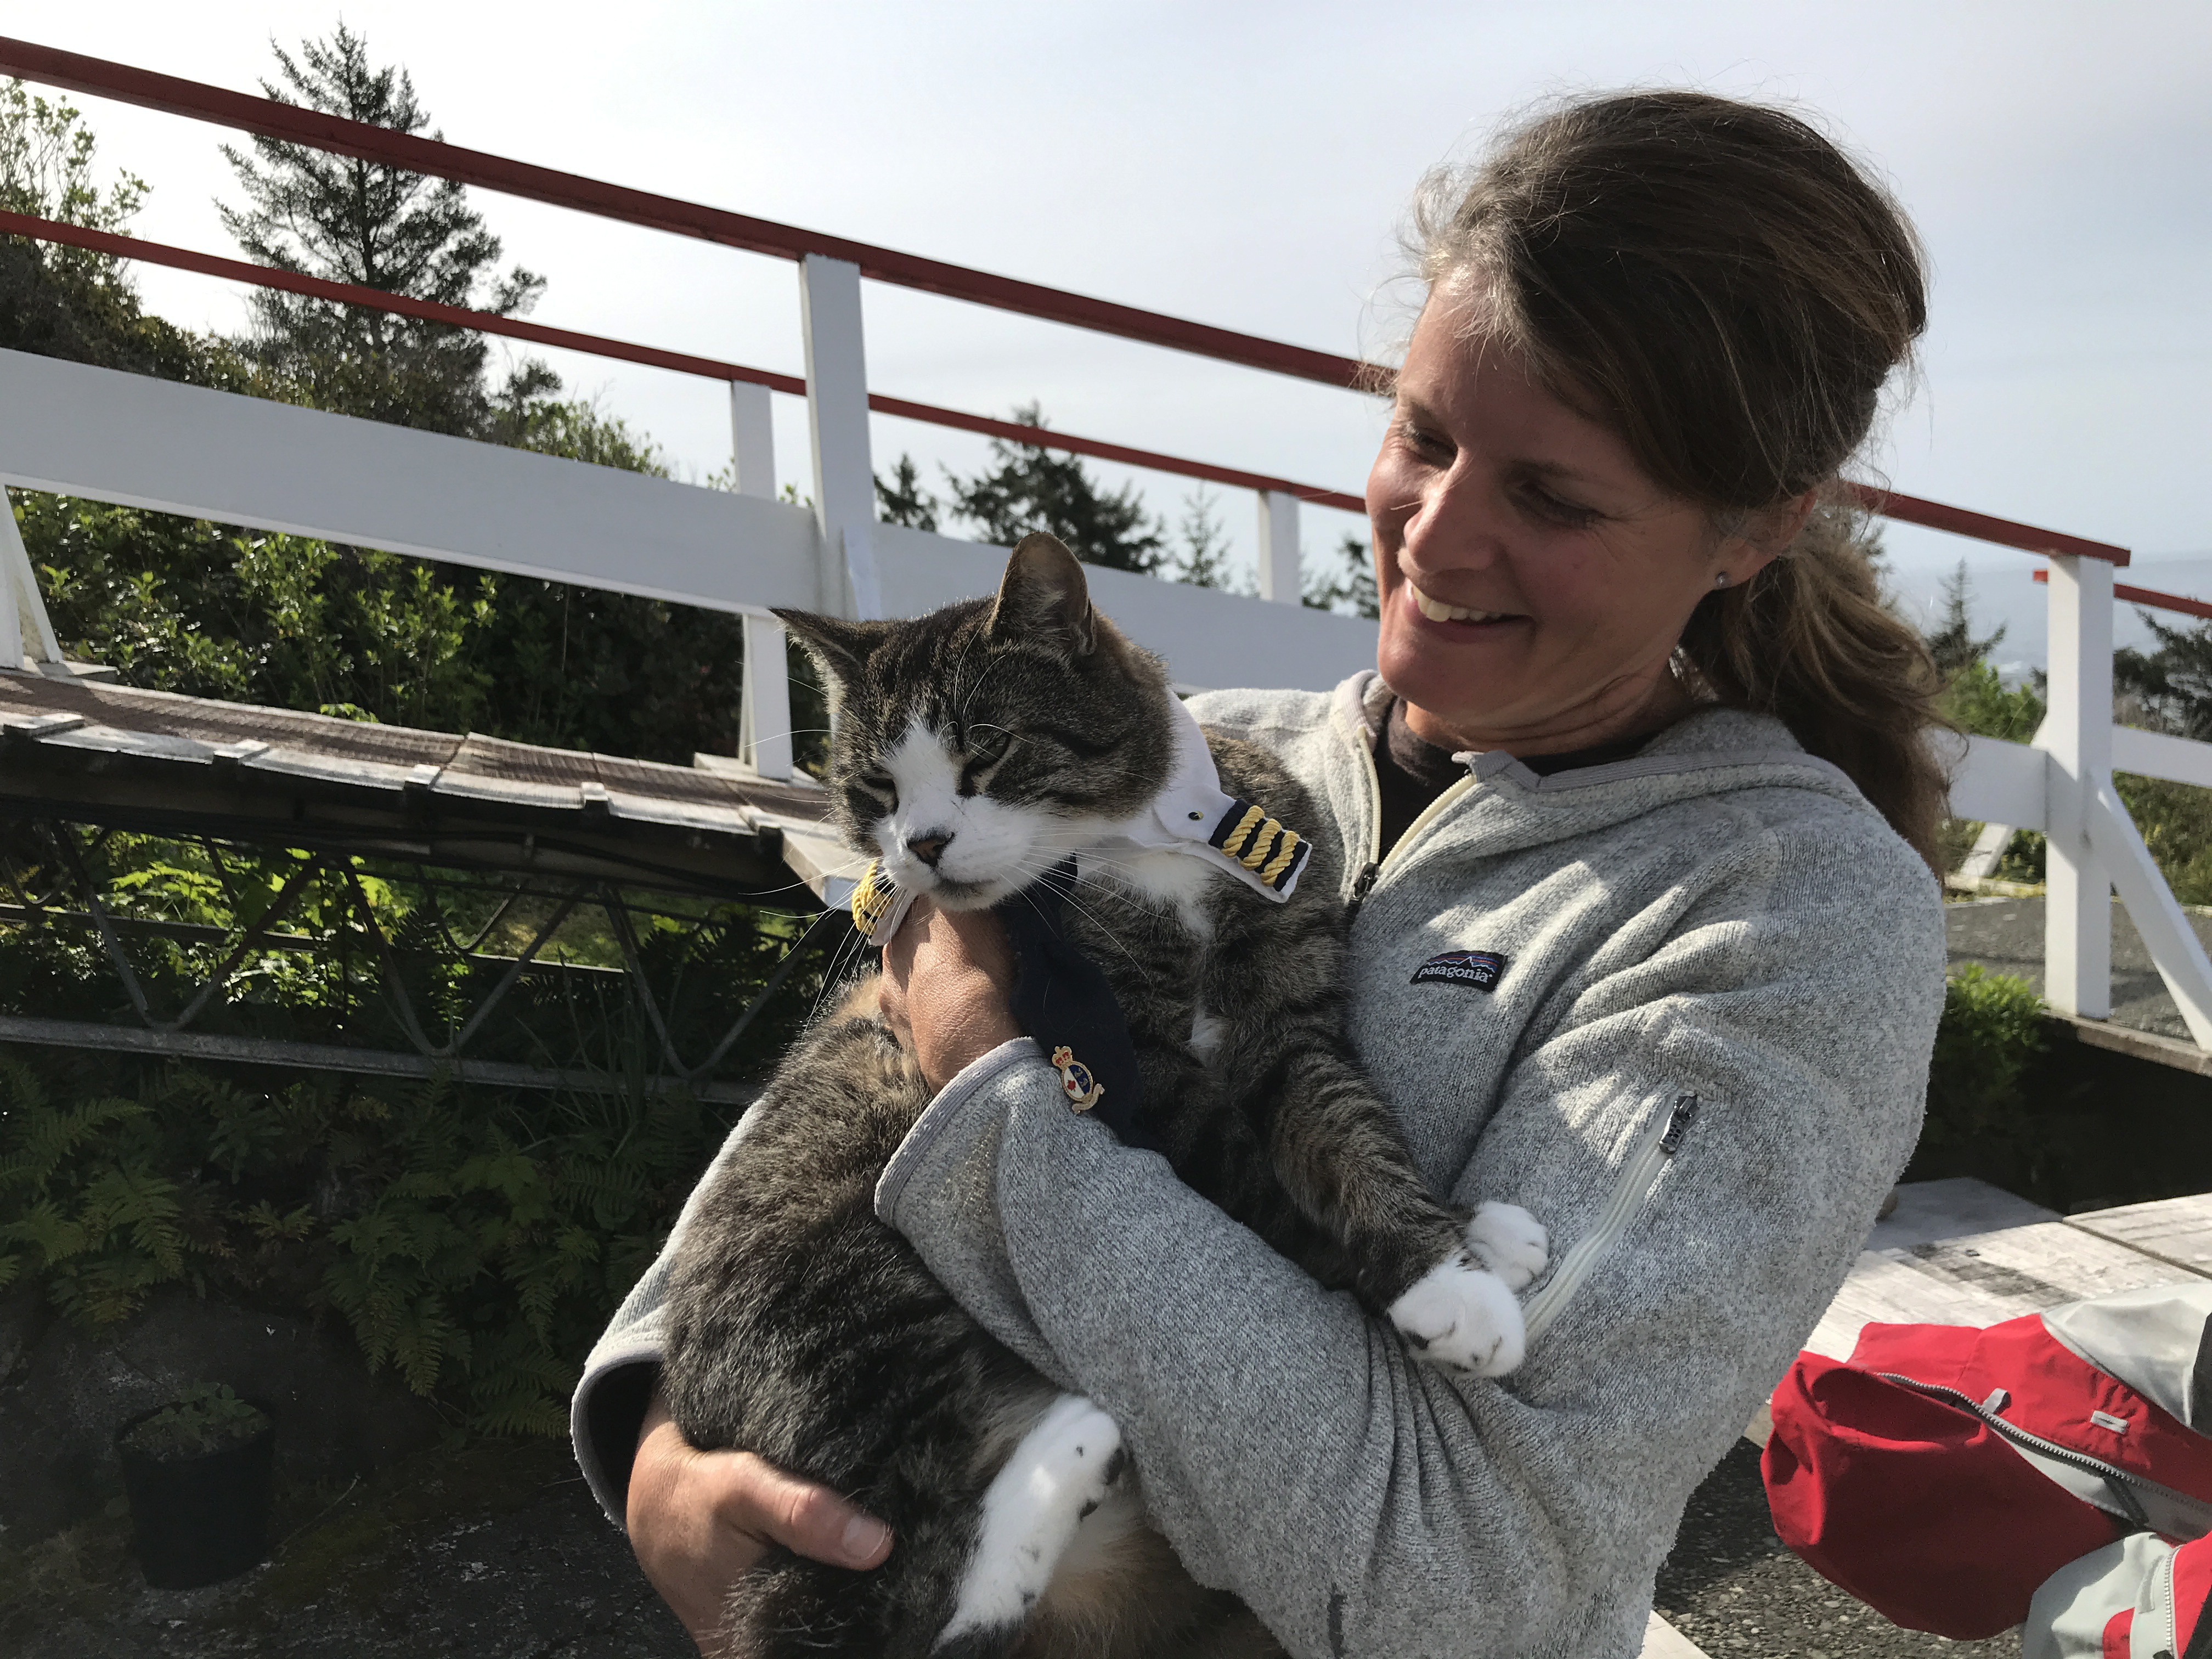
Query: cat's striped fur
x=801 y=1328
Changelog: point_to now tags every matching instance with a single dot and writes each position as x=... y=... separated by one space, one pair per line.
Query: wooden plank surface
x=1983 y=1279
x=1927 y=1211
x=2174 y=1230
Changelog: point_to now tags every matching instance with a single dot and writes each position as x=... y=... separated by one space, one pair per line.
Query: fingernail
x=865 y=1538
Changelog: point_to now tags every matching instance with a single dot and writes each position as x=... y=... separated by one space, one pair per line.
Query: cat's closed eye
x=878 y=783
x=986 y=744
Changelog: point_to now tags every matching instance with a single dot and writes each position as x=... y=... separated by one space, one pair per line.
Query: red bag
x=1943 y=1473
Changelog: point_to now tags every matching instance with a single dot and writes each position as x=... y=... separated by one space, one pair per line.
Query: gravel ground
x=499 y=1552
x=1731 y=1587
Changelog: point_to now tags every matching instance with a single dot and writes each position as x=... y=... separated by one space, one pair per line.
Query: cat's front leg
x=1447 y=1286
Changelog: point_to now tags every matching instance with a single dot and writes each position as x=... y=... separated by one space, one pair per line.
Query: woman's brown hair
x=1720 y=285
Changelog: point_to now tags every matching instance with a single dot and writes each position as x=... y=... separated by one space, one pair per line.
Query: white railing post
x=27 y=632
x=837 y=423
x=752 y=439
x=765 y=714
x=2077 y=926
x=1278 y=547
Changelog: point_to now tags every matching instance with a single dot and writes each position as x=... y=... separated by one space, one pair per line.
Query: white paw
x=1065 y=1467
x=1462 y=1316
x=1510 y=1242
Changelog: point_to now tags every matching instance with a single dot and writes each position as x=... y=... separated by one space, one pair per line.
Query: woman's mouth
x=1461 y=615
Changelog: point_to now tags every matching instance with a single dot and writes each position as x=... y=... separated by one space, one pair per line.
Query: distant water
x=2005 y=591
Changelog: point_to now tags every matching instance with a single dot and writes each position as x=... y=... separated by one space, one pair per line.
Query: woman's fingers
x=810 y=1520
x=946 y=978
x=700 y=1521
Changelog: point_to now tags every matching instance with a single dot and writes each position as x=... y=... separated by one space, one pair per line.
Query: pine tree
x=1954 y=645
x=379 y=226
x=903 y=500
x=1032 y=488
x=1203 y=560
x=1351 y=588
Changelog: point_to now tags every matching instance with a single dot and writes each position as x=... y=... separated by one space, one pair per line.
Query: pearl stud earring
x=1721 y=580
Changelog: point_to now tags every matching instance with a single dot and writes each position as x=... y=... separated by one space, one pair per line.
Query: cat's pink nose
x=930 y=848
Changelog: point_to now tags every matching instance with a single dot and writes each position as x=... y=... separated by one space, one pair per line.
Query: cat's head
x=976 y=747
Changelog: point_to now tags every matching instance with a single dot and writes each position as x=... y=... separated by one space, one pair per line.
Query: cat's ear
x=1042 y=596
x=838 y=646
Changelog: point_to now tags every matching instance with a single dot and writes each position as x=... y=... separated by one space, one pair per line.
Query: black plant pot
x=199 y=1520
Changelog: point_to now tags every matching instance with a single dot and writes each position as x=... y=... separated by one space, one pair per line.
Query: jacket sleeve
x=2135 y=1599
x=1291 y=1448
x=608 y=1407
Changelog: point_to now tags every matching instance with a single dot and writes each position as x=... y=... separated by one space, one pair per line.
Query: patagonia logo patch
x=1480 y=968
x=1262 y=845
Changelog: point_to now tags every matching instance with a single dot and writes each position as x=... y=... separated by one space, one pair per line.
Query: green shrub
x=207 y=1418
x=1991 y=1030
x=475 y=1240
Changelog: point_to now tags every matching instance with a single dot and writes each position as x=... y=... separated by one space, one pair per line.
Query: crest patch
x=1082 y=1091
x=1480 y=968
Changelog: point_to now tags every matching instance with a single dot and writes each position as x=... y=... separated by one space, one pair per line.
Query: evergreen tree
x=379 y=226
x=1203 y=560
x=903 y=499
x=1031 y=489
x=2173 y=683
x=1954 y=645
x=1350 y=587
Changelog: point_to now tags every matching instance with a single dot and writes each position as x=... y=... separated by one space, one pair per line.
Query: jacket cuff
x=604 y=1415
x=952 y=1103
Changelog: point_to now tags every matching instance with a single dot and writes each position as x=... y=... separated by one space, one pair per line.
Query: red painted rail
x=272 y=119
x=172 y=94
x=2153 y=598
x=1910 y=509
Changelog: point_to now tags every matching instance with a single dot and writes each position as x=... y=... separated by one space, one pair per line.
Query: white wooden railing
x=123 y=437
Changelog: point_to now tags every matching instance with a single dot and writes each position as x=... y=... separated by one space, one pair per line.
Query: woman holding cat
x=1644 y=743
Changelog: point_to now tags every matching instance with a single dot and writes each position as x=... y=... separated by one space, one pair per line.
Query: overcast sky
x=1247 y=165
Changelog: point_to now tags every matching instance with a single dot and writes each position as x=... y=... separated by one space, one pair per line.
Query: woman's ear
x=1764 y=537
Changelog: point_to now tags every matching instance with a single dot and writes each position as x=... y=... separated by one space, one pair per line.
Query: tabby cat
x=975 y=749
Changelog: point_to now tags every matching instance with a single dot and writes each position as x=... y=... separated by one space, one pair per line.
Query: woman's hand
x=698 y=1522
x=947 y=975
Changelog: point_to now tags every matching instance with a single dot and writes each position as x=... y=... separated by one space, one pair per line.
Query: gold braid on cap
x=1259 y=843
x=872 y=900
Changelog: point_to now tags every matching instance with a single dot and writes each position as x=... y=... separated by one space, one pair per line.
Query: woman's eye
x=1569 y=513
x=1423 y=442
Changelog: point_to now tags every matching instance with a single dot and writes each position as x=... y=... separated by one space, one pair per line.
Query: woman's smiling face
x=1534 y=581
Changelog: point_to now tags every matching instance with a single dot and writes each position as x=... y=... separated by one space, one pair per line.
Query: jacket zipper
x=1378 y=858
x=1631 y=1192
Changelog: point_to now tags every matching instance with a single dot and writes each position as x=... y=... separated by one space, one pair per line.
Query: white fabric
x=1179 y=819
x=2150 y=1339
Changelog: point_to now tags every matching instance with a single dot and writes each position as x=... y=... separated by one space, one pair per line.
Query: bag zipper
x=2123 y=1482
x=1631 y=1192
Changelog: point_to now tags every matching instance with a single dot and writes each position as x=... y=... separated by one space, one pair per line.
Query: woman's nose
x=1455 y=524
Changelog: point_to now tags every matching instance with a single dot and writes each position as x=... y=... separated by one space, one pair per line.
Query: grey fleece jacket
x=1701 y=1066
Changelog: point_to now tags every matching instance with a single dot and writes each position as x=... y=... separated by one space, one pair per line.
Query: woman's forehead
x=1464 y=376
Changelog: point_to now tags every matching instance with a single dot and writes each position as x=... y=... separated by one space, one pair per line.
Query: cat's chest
x=1174 y=884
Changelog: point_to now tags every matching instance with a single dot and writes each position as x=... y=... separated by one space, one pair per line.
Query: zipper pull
x=1686 y=1113
x=1363 y=885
